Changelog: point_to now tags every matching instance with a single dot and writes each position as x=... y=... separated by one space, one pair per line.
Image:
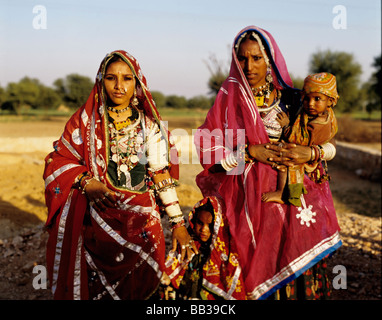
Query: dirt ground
x=23 y=146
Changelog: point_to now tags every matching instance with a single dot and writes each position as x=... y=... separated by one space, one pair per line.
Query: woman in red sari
x=277 y=243
x=112 y=166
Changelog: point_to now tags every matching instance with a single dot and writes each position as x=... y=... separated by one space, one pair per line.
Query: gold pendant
x=259 y=101
x=122 y=124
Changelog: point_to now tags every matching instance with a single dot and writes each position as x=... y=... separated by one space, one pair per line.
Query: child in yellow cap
x=315 y=125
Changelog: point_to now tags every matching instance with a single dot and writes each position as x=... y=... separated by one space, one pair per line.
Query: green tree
x=159 y=98
x=174 y=101
x=2 y=96
x=218 y=74
x=347 y=72
x=201 y=102
x=74 y=89
x=374 y=87
x=21 y=95
x=298 y=82
x=48 y=99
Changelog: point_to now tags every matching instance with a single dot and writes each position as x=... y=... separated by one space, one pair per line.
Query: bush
x=363 y=131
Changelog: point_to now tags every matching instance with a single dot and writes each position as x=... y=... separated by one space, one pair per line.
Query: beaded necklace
x=126 y=142
x=118 y=111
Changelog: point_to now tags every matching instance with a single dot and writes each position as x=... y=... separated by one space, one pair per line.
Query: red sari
x=276 y=242
x=118 y=253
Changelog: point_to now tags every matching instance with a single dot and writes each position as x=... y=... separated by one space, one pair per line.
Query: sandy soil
x=24 y=145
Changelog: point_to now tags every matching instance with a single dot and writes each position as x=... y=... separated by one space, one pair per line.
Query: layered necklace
x=262 y=95
x=126 y=141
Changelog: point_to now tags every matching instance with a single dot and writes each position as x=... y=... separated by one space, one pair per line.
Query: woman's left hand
x=188 y=246
x=289 y=154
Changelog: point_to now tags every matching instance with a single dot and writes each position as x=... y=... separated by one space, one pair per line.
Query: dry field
x=23 y=146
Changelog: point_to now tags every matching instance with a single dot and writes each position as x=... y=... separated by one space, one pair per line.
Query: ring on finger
x=103 y=198
x=183 y=247
x=97 y=200
x=107 y=193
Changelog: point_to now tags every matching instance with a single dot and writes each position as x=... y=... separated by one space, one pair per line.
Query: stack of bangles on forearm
x=83 y=180
x=229 y=162
x=170 y=201
x=325 y=152
x=232 y=160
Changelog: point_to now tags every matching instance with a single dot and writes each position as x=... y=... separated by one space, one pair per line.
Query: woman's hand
x=289 y=154
x=265 y=153
x=188 y=246
x=100 y=196
x=280 y=153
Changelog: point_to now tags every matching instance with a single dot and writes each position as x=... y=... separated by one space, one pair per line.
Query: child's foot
x=274 y=196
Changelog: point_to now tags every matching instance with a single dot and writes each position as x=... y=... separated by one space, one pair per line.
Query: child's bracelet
x=178 y=225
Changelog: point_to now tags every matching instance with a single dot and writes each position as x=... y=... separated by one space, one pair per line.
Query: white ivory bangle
x=169 y=196
x=329 y=151
x=173 y=210
x=229 y=162
x=157 y=155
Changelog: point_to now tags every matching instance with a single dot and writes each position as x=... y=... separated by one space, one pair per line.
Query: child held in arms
x=314 y=126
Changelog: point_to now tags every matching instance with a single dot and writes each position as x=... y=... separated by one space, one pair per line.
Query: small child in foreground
x=214 y=273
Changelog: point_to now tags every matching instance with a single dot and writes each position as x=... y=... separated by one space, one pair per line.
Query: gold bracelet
x=87 y=181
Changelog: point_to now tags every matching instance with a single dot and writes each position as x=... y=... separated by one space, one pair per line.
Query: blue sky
x=172 y=39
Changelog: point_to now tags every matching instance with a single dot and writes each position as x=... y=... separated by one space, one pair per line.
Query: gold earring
x=134 y=101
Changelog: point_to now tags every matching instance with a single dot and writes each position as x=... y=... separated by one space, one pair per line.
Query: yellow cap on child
x=324 y=83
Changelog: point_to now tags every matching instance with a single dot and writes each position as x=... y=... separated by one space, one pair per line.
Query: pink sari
x=123 y=249
x=276 y=243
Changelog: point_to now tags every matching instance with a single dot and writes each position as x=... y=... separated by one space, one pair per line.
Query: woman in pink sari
x=279 y=245
x=109 y=172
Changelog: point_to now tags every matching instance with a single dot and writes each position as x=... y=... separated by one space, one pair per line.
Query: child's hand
x=283 y=119
x=186 y=243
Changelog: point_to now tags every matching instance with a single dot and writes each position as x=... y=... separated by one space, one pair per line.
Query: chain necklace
x=118 y=111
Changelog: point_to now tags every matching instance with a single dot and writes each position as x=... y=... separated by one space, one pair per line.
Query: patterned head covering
x=324 y=83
